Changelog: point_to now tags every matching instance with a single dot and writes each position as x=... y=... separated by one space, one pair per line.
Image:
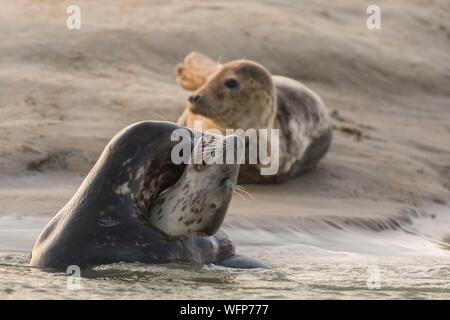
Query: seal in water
x=122 y=211
x=242 y=94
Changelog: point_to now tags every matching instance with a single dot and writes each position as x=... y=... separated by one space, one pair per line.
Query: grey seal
x=117 y=214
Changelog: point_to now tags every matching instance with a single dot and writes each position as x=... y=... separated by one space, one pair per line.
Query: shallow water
x=309 y=273
x=317 y=261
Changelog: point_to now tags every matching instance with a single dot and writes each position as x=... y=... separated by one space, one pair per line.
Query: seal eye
x=231 y=84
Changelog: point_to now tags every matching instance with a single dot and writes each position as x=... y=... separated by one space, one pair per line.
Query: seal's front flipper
x=240 y=262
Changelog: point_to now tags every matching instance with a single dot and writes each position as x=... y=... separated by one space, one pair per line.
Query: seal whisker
x=243 y=191
x=160 y=116
x=209 y=150
x=220 y=152
x=164 y=192
x=247 y=193
x=235 y=191
x=239 y=192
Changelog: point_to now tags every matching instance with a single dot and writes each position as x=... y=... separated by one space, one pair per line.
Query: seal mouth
x=200 y=108
x=162 y=192
x=209 y=110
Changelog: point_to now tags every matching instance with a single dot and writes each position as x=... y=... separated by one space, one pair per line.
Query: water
x=309 y=273
x=332 y=258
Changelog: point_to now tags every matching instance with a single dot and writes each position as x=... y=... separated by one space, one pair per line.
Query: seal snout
x=194 y=103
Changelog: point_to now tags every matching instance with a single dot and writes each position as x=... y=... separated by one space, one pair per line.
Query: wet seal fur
x=243 y=94
x=106 y=221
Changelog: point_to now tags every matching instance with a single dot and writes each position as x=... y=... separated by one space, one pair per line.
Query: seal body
x=107 y=220
x=244 y=95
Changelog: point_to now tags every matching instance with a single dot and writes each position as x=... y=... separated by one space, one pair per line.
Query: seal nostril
x=194 y=98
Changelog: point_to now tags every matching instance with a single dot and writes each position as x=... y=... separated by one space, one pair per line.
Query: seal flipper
x=241 y=262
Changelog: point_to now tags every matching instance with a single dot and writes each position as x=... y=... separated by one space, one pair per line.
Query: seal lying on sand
x=118 y=213
x=242 y=94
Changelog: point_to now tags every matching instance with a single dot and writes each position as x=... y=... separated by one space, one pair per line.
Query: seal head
x=198 y=201
x=241 y=94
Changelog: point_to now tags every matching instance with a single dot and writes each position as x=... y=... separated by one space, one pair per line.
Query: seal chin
x=194 y=109
x=202 y=108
